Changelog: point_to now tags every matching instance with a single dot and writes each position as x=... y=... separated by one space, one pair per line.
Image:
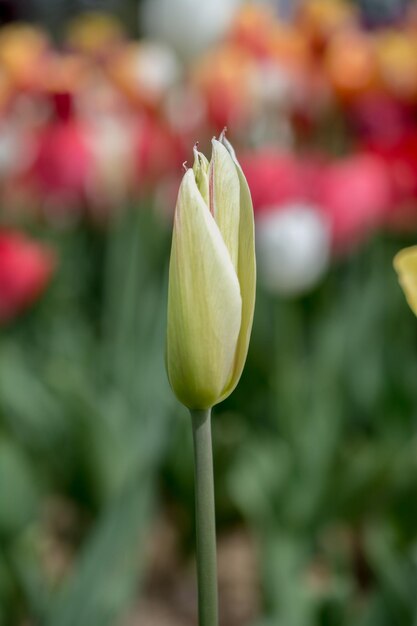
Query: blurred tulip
x=6 y=90
x=400 y=160
x=293 y=248
x=378 y=118
x=355 y=195
x=350 y=64
x=25 y=270
x=110 y=142
x=94 y=33
x=16 y=149
x=405 y=264
x=157 y=152
x=251 y=27
x=224 y=76
x=269 y=123
x=289 y=47
x=396 y=53
x=22 y=52
x=189 y=26
x=274 y=178
x=320 y=20
x=186 y=111
x=157 y=69
x=145 y=72
x=212 y=279
x=62 y=163
x=63 y=74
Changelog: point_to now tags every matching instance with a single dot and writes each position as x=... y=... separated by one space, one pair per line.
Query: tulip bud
x=212 y=279
x=405 y=264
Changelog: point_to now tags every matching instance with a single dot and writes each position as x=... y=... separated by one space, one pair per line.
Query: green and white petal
x=201 y=173
x=225 y=197
x=246 y=273
x=204 y=303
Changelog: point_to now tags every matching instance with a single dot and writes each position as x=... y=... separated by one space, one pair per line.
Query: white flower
x=212 y=276
x=293 y=247
x=157 y=69
x=189 y=26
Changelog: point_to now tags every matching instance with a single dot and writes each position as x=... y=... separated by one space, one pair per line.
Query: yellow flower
x=212 y=279
x=405 y=264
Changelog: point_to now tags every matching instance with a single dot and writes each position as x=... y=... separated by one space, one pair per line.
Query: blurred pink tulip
x=355 y=194
x=400 y=157
x=63 y=160
x=274 y=178
x=25 y=270
x=158 y=152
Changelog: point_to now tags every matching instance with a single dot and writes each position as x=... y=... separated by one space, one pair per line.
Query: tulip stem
x=205 y=518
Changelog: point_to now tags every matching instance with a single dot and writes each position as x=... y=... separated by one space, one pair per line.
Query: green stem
x=205 y=519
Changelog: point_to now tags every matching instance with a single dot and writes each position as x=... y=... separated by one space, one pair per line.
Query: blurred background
x=316 y=451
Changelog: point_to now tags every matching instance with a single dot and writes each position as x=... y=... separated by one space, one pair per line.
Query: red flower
x=62 y=161
x=380 y=119
x=355 y=194
x=25 y=270
x=274 y=178
x=400 y=157
x=158 y=152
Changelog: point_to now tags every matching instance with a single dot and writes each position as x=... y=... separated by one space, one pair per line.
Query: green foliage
x=316 y=449
x=315 y=452
x=84 y=409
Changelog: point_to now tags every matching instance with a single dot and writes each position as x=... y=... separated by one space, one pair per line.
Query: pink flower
x=157 y=152
x=355 y=194
x=274 y=178
x=25 y=270
x=63 y=161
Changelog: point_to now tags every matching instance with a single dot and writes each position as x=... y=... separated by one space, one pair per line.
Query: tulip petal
x=224 y=198
x=204 y=303
x=201 y=173
x=246 y=273
x=405 y=264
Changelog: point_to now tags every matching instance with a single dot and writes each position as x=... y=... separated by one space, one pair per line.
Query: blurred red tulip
x=62 y=164
x=274 y=178
x=400 y=157
x=158 y=152
x=25 y=270
x=378 y=117
x=355 y=194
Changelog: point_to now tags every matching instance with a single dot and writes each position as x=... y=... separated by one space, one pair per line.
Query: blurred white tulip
x=112 y=149
x=16 y=150
x=189 y=26
x=293 y=248
x=157 y=69
x=185 y=109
